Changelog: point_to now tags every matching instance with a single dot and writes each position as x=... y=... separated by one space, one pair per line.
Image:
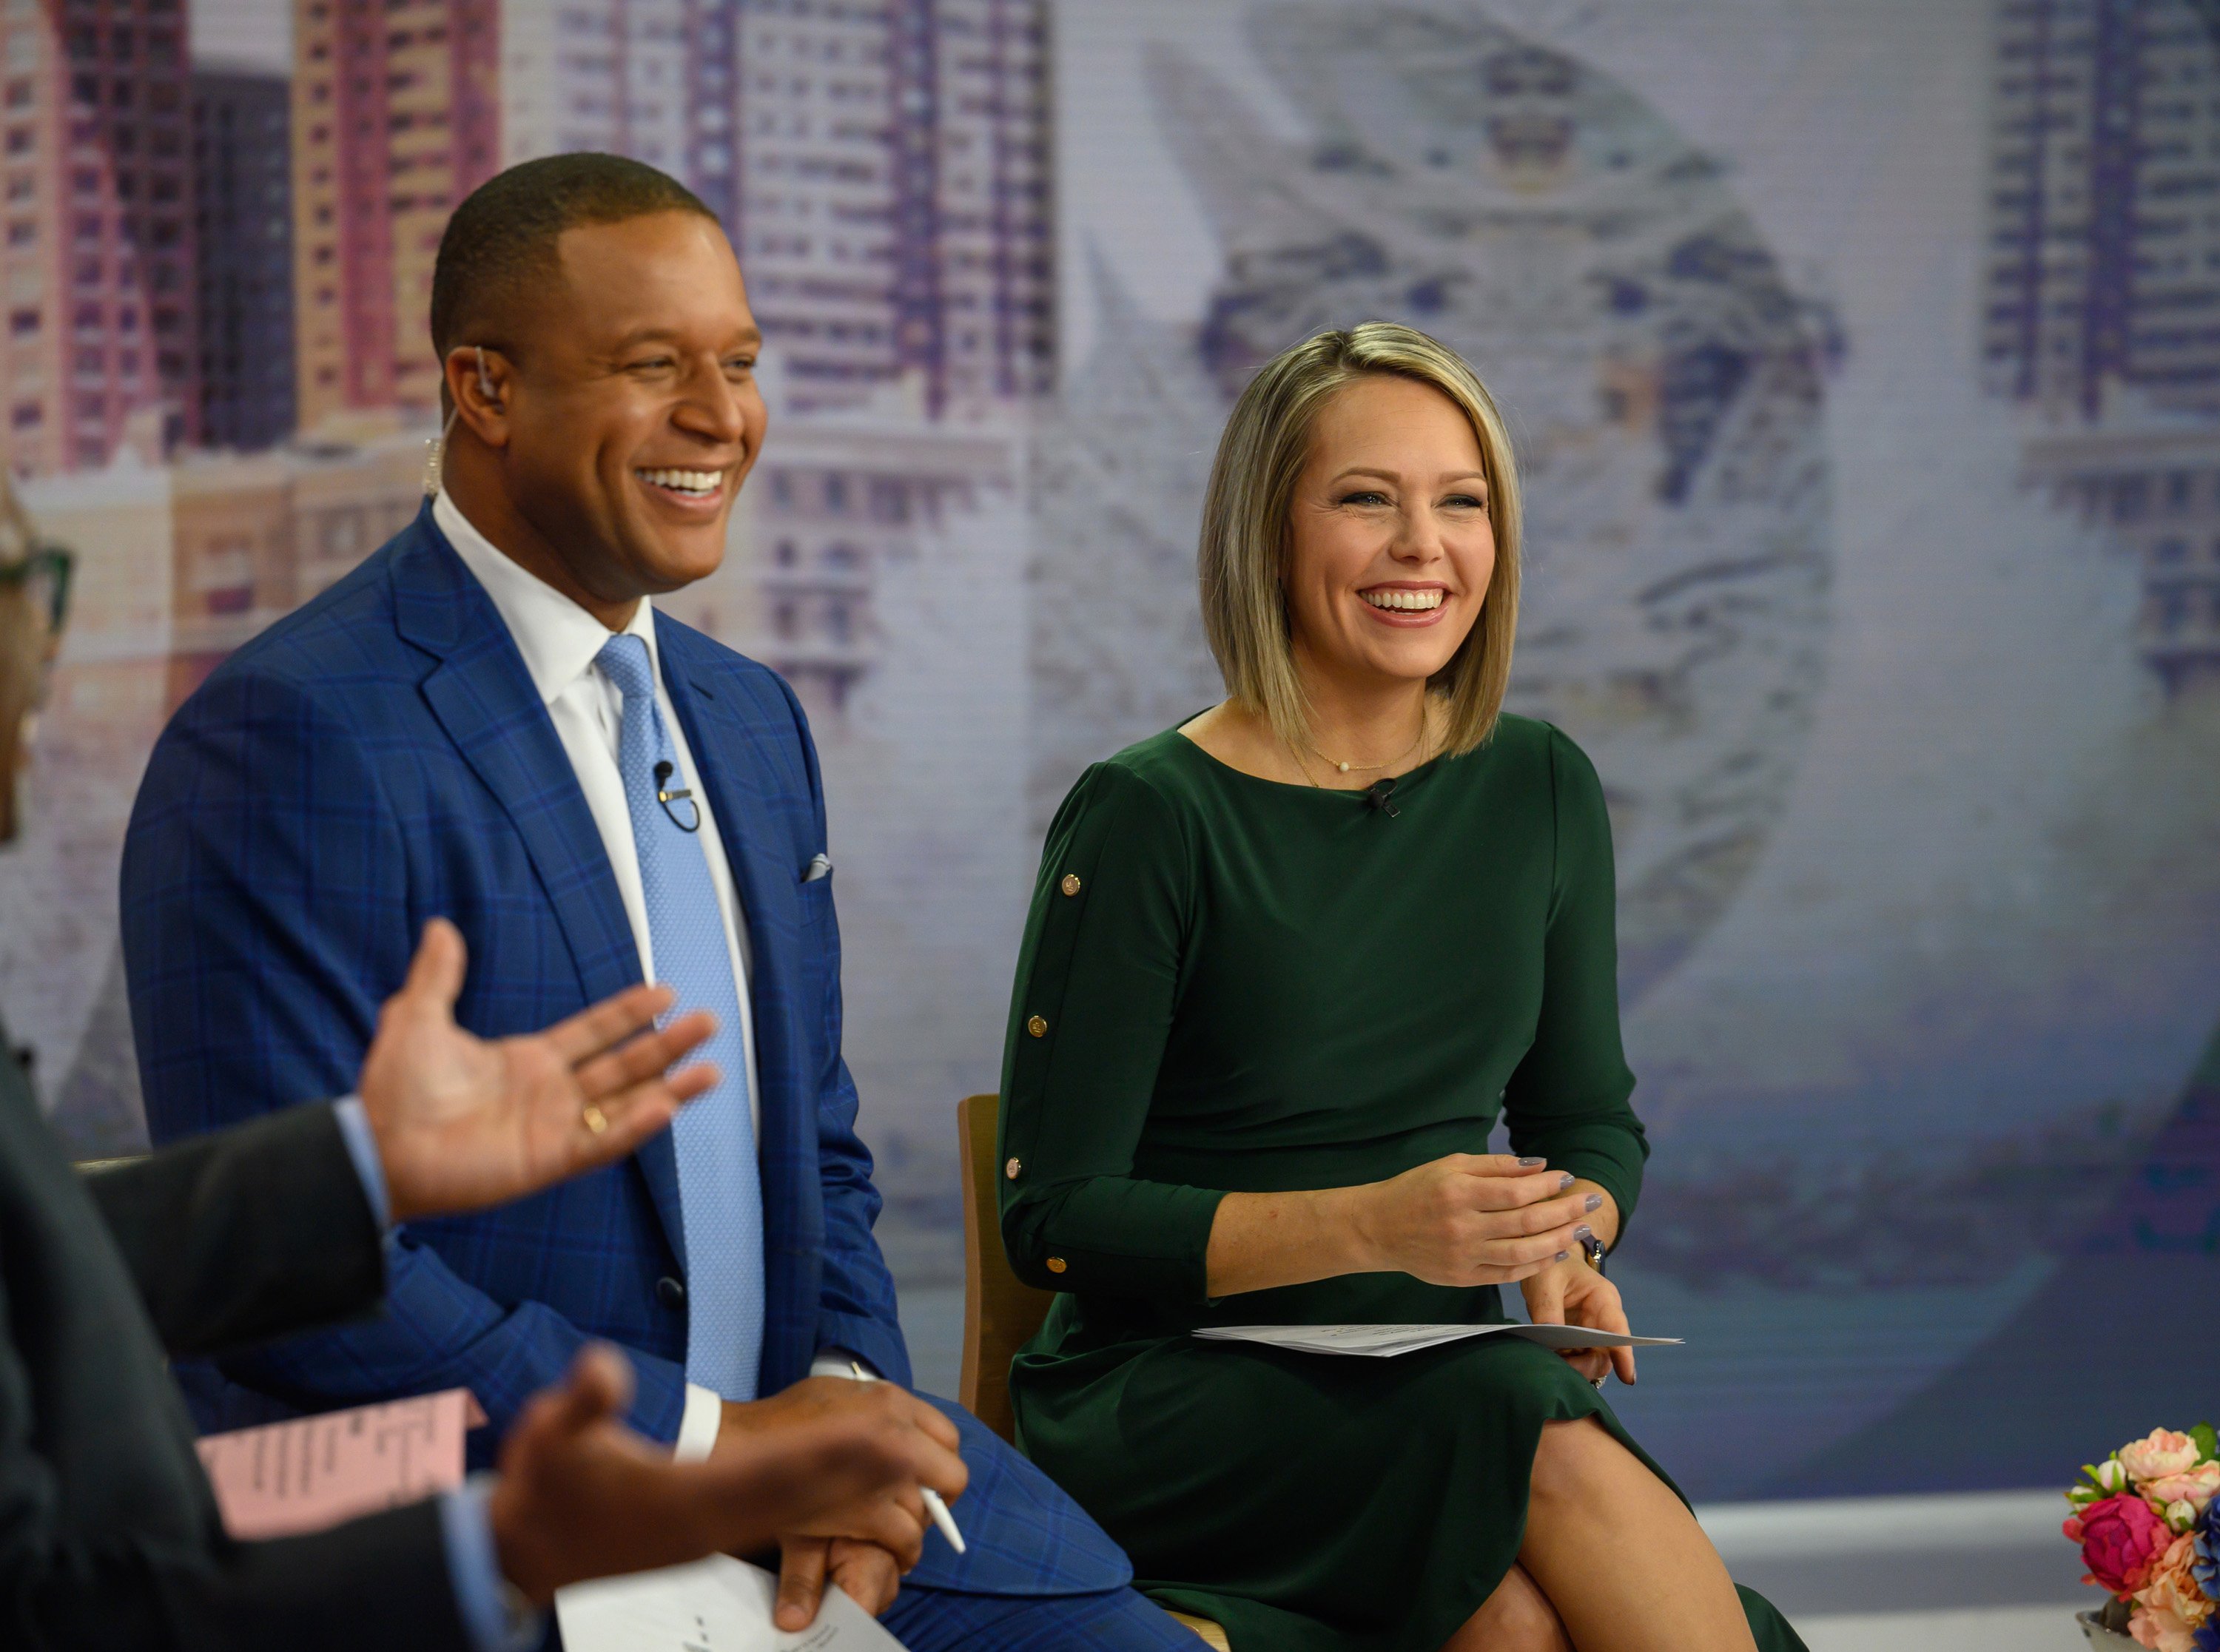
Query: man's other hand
x=866 y=1573
x=830 y=1550
x=463 y=1122
x=581 y=1496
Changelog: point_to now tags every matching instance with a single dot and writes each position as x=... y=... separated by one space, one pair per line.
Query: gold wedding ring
x=595 y=1121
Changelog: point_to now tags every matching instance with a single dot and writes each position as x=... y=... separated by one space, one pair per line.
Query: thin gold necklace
x=1368 y=768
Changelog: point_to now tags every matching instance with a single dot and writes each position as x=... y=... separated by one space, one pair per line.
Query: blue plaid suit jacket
x=382 y=756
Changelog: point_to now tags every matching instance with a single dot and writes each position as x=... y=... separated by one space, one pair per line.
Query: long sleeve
x=369 y=1586
x=362 y=1147
x=1098 y=978
x=267 y=906
x=246 y=1234
x=1568 y=1099
x=251 y=1233
x=497 y=1621
x=108 y=1538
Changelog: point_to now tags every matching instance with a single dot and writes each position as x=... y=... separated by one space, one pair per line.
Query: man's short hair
x=504 y=236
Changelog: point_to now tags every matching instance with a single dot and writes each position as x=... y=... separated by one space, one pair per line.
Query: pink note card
x=314 y=1472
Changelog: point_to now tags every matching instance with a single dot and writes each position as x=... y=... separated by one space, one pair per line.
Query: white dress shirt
x=559 y=641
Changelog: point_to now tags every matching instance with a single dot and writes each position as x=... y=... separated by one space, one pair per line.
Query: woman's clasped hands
x=1475 y=1219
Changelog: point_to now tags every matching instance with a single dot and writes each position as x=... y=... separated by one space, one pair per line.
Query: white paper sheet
x=1385 y=1342
x=717 y=1605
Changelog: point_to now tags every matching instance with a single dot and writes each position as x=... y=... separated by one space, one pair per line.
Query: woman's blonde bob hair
x=1246 y=543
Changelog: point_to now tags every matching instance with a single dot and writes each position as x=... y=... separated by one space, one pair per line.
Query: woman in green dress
x=1287 y=965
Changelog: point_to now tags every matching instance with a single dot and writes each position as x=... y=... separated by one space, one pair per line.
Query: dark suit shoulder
x=355 y=654
x=328 y=650
x=746 y=690
x=700 y=652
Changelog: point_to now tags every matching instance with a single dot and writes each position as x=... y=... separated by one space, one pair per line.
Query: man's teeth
x=693 y=481
x=1404 y=602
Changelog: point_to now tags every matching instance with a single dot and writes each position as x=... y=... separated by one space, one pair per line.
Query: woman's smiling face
x=1390 y=546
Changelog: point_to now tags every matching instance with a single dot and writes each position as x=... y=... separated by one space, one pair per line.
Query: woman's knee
x=1580 y=1458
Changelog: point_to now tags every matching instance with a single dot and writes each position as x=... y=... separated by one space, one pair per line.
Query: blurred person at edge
x=1287 y=966
x=491 y=714
x=109 y=1534
x=33 y=584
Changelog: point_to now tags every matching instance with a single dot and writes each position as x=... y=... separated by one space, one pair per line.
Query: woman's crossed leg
x=1612 y=1562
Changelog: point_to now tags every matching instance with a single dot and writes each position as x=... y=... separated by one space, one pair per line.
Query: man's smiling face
x=631 y=406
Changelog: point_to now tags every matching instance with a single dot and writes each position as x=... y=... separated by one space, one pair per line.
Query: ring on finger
x=594 y=1119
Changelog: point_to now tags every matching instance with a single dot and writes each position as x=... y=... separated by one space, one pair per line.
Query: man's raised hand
x=463 y=1122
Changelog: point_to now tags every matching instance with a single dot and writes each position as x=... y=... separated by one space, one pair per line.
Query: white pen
x=933 y=1505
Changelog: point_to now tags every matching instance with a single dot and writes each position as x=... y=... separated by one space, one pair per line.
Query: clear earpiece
x=435 y=456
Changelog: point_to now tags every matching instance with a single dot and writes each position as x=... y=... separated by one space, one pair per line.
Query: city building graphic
x=395 y=119
x=98 y=263
x=243 y=229
x=2101 y=302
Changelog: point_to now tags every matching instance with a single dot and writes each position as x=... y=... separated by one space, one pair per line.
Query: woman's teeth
x=1404 y=602
x=697 y=485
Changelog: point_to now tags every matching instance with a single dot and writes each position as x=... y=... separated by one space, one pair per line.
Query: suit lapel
x=734 y=762
x=484 y=699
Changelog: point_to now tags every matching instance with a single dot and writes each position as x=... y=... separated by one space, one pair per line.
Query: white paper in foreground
x=717 y=1605
x=1385 y=1342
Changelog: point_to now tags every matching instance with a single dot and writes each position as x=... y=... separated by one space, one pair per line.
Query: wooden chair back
x=1000 y=1311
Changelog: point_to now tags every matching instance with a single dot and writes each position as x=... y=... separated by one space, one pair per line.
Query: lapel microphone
x=1381 y=794
x=666 y=796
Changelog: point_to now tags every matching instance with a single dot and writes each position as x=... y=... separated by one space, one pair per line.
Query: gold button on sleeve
x=1070 y=884
x=1038 y=1026
x=1057 y=1264
x=1011 y=1169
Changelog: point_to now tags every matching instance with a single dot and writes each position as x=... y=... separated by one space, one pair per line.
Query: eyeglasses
x=44 y=571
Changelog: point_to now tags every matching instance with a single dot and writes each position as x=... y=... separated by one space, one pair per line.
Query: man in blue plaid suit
x=487 y=721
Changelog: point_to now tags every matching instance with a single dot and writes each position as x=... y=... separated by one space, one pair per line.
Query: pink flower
x=2170 y=1608
x=2119 y=1538
x=2159 y=1454
x=2195 y=1487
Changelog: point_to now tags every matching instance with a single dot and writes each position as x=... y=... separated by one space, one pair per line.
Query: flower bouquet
x=2148 y=1520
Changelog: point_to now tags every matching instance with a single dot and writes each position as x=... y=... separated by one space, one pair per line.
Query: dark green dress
x=1231 y=984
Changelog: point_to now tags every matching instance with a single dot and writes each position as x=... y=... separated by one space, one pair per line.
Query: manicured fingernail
x=1566 y=1182
x=1595 y=1201
x=1564 y=1255
x=1584 y=1232
x=1533 y=1164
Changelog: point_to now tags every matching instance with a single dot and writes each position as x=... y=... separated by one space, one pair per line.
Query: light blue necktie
x=720 y=1193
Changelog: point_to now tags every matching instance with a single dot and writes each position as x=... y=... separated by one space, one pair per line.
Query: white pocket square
x=820 y=866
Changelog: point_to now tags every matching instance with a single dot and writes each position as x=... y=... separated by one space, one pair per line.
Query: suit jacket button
x=1070 y=884
x=670 y=1292
x=1057 y=1264
x=1011 y=1169
x=1038 y=1028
